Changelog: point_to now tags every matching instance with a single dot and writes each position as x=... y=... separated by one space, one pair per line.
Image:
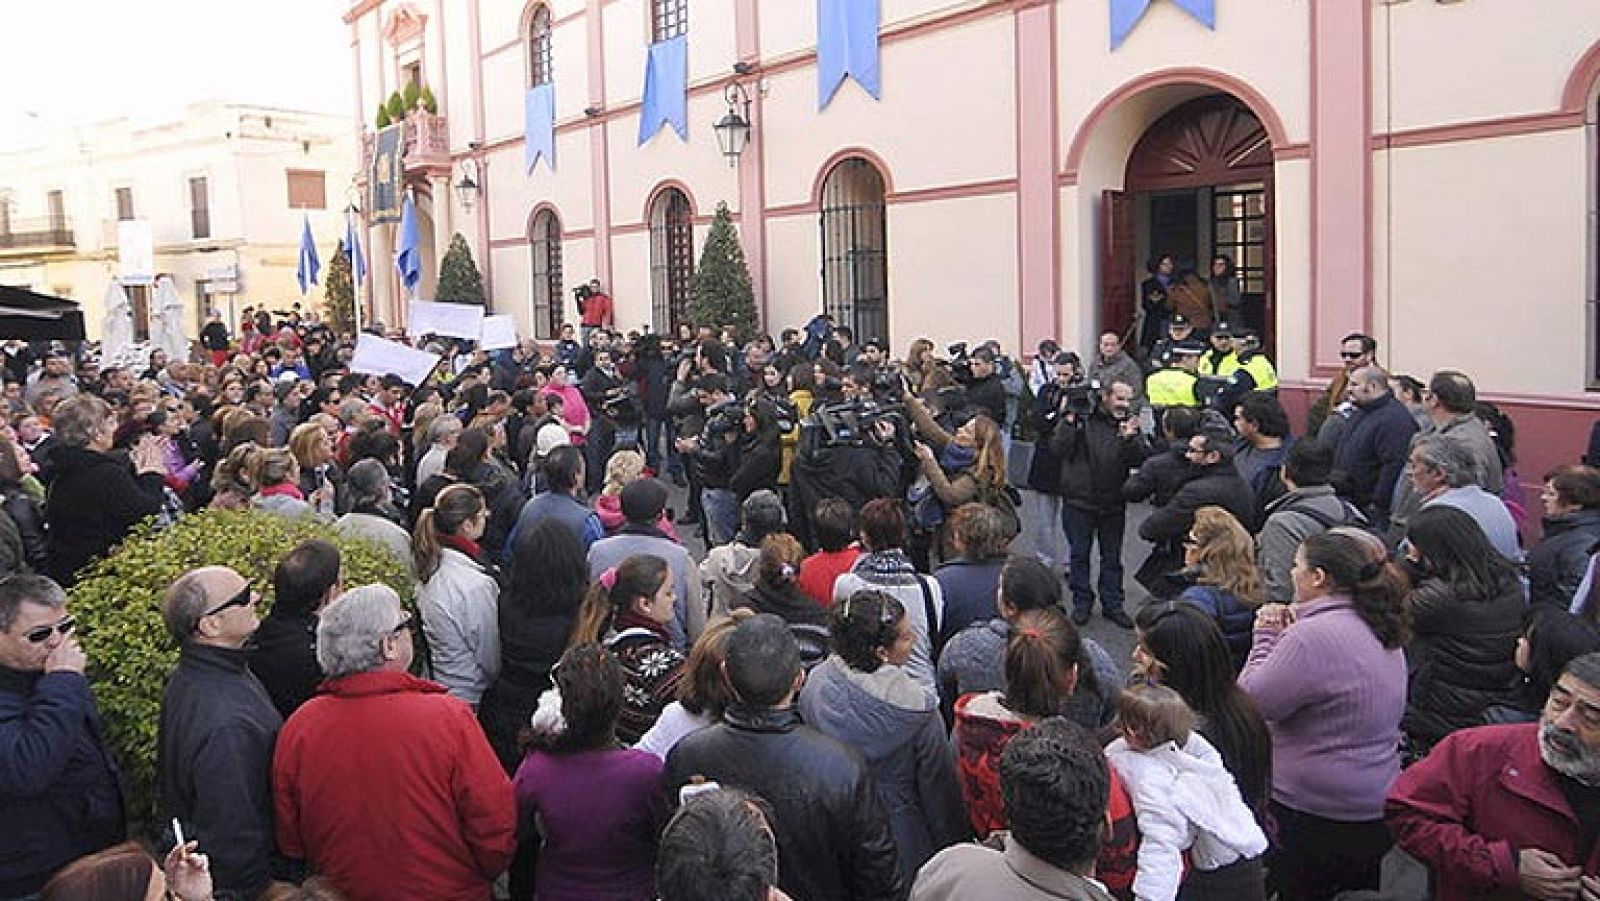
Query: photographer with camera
x=736 y=454
x=850 y=449
x=614 y=402
x=594 y=308
x=1044 y=473
x=1098 y=441
x=978 y=373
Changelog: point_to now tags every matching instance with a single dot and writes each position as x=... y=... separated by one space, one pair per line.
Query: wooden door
x=1117 y=307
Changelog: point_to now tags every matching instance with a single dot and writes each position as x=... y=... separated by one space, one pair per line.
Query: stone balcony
x=426 y=149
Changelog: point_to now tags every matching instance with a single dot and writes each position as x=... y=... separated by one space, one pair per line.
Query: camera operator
x=737 y=453
x=978 y=372
x=1044 y=473
x=852 y=449
x=595 y=308
x=1098 y=442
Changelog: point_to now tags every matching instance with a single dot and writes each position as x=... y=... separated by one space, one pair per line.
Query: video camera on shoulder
x=1081 y=396
x=852 y=424
x=581 y=294
x=960 y=361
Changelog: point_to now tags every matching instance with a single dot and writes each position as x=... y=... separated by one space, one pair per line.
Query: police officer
x=1174 y=385
x=1220 y=359
x=1253 y=360
x=1178 y=331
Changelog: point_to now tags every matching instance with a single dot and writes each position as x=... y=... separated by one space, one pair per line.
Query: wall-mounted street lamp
x=469 y=184
x=733 y=129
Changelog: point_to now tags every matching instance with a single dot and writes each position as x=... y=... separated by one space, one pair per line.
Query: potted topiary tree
x=720 y=293
x=383 y=120
x=459 y=279
x=411 y=93
x=339 y=291
x=428 y=102
x=397 y=107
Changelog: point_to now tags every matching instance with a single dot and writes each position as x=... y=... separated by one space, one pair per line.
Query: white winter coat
x=1185 y=801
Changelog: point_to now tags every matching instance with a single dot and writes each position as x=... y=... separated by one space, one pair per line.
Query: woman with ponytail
x=627 y=609
x=1044 y=663
x=596 y=807
x=459 y=598
x=1329 y=675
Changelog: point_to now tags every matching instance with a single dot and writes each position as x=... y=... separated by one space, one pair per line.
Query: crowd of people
x=872 y=682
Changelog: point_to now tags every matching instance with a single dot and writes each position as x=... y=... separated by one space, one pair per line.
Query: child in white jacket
x=1185 y=801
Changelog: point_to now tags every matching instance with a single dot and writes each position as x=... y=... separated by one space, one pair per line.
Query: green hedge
x=118 y=607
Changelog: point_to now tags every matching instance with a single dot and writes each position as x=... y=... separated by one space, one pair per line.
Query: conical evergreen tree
x=459 y=280
x=720 y=293
x=339 y=292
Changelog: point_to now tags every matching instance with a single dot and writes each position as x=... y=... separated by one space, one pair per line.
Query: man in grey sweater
x=1309 y=507
x=642 y=503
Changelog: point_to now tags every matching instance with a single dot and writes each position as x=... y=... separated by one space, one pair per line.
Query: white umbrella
x=166 y=321
x=117 y=331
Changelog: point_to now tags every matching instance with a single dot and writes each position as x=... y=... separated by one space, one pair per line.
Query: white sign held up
x=451 y=320
x=381 y=356
x=499 y=332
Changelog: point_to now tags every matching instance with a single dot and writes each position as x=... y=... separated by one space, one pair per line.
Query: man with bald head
x=218 y=726
x=1372 y=453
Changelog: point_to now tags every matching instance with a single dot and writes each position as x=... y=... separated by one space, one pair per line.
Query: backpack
x=1006 y=500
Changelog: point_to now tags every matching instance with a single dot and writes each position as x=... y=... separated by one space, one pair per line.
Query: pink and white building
x=1424 y=171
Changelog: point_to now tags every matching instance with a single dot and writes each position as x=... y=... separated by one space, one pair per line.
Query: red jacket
x=598 y=310
x=386 y=786
x=1481 y=796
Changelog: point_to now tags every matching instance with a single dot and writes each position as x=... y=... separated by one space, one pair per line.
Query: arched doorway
x=544 y=243
x=671 y=259
x=1198 y=184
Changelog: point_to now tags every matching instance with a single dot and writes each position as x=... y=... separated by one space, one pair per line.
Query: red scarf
x=463 y=544
x=282 y=489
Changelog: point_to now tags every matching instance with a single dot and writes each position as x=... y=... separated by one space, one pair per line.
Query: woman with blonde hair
x=458 y=598
x=275 y=475
x=230 y=482
x=625 y=466
x=965 y=466
x=1220 y=557
x=313 y=451
x=920 y=365
x=420 y=421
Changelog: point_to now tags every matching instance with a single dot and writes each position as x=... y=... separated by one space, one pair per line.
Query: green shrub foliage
x=459 y=279
x=411 y=93
x=397 y=107
x=118 y=607
x=383 y=120
x=339 y=291
x=427 y=101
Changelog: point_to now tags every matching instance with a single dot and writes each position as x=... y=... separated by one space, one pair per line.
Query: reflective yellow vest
x=1172 y=388
x=1261 y=369
x=1221 y=368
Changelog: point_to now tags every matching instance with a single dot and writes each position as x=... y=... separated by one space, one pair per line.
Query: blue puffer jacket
x=60 y=798
x=1234 y=617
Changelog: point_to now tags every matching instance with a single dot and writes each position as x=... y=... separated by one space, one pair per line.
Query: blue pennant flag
x=309 y=267
x=666 y=88
x=539 y=126
x=352 y=245
x=847 y=44
x=1125 y=14
x=408 y=256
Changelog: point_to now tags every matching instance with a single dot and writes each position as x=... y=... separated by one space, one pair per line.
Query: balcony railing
x=426 y=147
x=44 y=233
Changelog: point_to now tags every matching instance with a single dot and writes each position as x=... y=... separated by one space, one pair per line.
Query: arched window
x=549 y=303
x=671 y=259
x=855 y=274
x=668 y=19
x=540 y=65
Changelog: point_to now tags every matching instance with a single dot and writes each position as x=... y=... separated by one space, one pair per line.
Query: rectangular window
x=669 y=18
x=56 y=201
x=124 y=204
x=139 y=301
x=307 y=190
x=199 y=208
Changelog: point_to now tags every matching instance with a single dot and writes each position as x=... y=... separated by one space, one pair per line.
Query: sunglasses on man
x=42 y=633
x=244 y=598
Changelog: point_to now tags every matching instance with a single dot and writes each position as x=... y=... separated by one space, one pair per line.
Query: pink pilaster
x=1341 y=176
x=1038 y=206
x=599 y=162
x=752 y=165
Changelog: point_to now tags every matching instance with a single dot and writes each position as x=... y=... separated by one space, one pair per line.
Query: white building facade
x=222 y=190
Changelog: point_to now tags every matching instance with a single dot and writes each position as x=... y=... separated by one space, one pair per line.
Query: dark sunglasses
x=1352 y=356
x=244 y=598
x=42 y=634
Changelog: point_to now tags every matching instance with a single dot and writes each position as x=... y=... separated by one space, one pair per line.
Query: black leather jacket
x=833 y=834
x=1095 y=459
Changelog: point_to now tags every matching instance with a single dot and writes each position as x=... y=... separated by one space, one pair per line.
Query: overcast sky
x=72 y=61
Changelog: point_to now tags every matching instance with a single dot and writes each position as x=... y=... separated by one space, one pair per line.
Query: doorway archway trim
x=1282 y=147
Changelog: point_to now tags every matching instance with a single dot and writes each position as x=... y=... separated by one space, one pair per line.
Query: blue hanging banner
x=309 y=267
x=408 y=253
x=666 y=88
x=539 y=126
x=847 y=44
x=352 y=246
x=1125 y=14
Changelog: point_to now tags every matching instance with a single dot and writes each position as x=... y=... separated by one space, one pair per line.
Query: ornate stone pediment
x=404 y=24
